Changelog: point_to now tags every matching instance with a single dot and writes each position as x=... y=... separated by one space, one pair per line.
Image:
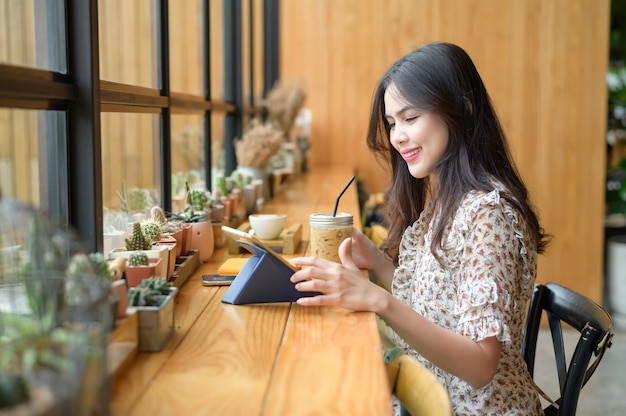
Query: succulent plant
x=149 y=292
x=115 y=222
x=197 y=198
x=193 y=177
x=138 y=258
x=158 y=215
x=138 y=296
x=134 y=200
x=159 y=286
x=151 y=230
x=137 y=240
x=93 y=263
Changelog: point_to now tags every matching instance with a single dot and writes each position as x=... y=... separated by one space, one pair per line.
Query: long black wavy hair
x=441 y=78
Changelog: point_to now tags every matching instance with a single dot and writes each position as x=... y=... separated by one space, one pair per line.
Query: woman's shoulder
x=489 y=205
x=477 y=198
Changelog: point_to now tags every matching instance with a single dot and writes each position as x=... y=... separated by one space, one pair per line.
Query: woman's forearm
x=474 y=362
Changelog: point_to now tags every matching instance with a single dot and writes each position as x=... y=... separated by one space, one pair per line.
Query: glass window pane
x=257 y=61
x=128 y=42
x=217 y=144
x=32 y=159
x=187 y=156
x=217 y=49
x=130 y=161
x=186 y=56
x=246 y=50
x=32 y=34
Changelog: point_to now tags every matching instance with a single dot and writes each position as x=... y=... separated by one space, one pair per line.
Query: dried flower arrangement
x=283 y=102
x=260 y=142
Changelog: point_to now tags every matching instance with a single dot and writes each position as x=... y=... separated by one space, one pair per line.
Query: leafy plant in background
x=616 y=123
x=44 y=340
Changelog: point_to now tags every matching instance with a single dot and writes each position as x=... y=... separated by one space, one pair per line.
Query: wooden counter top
x=265 y=359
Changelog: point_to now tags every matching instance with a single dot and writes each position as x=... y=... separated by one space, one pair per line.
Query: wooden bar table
x=263 y=359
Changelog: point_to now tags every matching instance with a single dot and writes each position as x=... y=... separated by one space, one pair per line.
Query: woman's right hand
x=365 y=254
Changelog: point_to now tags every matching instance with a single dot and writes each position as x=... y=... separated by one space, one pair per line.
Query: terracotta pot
x=186 y=239
x=202 y=239
x=120 y=289
x=218 y=235
x=217 y=213
x=178 y=236
x=170 y=243
x=135 y=274
x=228 y=206
x=160 y=252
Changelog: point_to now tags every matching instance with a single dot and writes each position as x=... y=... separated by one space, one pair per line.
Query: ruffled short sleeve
x=491 y=257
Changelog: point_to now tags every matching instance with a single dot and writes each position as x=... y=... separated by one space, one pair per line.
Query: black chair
x=582 y=314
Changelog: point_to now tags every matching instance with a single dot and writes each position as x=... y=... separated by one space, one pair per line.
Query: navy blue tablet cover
x=262 y=279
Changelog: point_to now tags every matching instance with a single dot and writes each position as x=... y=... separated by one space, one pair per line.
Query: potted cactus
x=55 y=319
x=140 y=267
x=153 y=300
x=196 y=213
x=137 y=241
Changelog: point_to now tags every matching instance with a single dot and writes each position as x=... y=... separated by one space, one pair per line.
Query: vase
x=202 y=239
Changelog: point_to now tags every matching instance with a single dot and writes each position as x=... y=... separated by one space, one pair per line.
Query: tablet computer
x=245 y=236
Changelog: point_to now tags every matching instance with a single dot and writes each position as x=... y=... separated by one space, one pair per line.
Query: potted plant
x=153 y=232
x=154 y=301
x=139 y=268
x=196 y=213
x=97 y=265
x=54 y=322
x=137 y=241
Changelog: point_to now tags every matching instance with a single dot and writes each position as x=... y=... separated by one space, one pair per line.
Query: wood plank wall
x=544 y=63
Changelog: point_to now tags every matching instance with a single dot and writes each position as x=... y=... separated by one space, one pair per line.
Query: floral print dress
x=482 y=292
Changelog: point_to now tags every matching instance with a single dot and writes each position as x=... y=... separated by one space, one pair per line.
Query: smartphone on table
x=217 y=279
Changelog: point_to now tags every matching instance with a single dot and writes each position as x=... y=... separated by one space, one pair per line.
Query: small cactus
x=93 y=264
x=138 y=259
x=135 y=200
x=157 y=215
x=137 y=240
x=149 y=292
x=197 y=198
x=151 y=230
x=101 y=266
x=159 y=286
x=138 y=296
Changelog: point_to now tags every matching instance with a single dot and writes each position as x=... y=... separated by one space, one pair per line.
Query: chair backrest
x=594 y=324
x=418 y=390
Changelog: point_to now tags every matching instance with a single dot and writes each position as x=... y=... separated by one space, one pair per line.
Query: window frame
x=83 y=97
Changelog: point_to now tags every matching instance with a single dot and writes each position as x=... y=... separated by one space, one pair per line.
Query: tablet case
x=262 y=279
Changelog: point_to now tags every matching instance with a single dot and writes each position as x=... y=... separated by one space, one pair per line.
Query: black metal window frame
x=83 y=96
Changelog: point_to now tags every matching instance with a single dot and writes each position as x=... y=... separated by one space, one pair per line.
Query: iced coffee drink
x=327 y=233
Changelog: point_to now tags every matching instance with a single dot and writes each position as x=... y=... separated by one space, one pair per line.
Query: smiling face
x=419 y=136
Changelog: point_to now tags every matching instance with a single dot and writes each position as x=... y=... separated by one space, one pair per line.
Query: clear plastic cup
x=327 y=233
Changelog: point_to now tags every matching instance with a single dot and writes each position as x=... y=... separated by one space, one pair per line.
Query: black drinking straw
x=339 y=196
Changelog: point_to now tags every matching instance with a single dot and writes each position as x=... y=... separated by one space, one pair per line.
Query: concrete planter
x=156 y=323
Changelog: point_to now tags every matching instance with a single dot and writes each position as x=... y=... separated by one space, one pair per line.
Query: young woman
x=461 y=257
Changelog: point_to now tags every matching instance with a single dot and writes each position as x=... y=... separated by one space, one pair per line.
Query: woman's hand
x=343 y=285
x=364 y=251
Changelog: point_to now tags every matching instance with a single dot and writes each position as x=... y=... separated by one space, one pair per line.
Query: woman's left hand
x=341 y=285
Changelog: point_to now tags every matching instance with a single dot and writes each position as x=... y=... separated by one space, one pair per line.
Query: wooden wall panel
x=544 y=63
